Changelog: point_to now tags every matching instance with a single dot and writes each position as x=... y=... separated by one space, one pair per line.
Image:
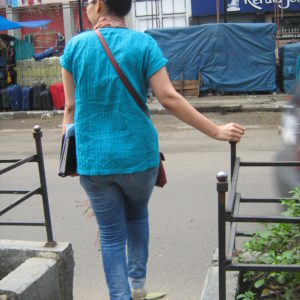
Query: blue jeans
x=120 y=204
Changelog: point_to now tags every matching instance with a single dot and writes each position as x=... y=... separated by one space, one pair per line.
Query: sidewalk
x=222 y=104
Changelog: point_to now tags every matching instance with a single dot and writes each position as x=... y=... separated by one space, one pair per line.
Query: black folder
x=67 y=161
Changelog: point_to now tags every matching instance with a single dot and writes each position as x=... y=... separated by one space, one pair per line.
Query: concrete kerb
x=42 y=269
x=36 y=278
x=210 y=289
x=8 y=115
x=222 y=104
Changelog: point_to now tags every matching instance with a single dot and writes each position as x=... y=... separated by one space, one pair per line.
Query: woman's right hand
x=231 y=132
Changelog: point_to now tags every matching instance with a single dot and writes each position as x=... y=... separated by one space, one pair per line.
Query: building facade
x=286 y=13
x=64 y=16
x=145 y=14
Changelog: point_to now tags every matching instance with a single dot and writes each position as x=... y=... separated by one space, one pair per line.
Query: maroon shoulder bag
x=161 y=177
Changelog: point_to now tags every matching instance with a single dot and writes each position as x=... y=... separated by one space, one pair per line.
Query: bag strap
x=121 y=74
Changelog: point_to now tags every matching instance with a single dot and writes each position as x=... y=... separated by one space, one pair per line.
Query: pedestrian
x=116 y=143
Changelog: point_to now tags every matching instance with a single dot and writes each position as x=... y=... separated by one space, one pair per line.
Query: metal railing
x=41 y=190
x=228 y=214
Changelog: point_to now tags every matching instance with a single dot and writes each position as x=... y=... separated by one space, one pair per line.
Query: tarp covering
x=7 y=24
x=23 y=49
x=230 y=57
x=288 y=55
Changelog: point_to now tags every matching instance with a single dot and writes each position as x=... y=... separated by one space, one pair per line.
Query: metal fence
x=41 y=190
x=228 y=215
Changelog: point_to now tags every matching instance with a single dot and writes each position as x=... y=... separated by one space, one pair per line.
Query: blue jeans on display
x=120 y=204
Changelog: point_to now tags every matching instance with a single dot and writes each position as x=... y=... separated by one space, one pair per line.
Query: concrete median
x=31 y=271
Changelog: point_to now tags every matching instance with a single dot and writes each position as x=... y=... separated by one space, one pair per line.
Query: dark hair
x=119 y=8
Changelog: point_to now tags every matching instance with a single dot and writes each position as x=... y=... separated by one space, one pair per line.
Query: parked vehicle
x=289 y=177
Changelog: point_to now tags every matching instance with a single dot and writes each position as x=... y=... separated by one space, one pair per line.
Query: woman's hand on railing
x=230 y=132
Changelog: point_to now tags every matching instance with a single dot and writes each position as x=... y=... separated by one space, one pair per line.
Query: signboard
x=208 y=7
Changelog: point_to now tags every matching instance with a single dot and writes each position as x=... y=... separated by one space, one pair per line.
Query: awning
x=7 y=24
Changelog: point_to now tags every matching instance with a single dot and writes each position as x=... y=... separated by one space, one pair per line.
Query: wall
x=43 y=37
x=160 y=14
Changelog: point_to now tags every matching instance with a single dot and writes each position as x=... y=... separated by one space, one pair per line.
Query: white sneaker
x=234 y=6
x=138 y=294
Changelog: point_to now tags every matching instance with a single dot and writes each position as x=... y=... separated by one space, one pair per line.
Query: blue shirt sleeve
x=154 y=59
x=66 y=58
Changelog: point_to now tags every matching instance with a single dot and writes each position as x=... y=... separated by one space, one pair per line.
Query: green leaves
x=276 y=244
x=293 y=204
x=247 y=296
x=259 y=283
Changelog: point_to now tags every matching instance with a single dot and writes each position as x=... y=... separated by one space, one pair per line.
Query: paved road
x=183 y=215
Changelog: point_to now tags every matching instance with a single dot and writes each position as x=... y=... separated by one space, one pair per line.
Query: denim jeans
x=120 y=204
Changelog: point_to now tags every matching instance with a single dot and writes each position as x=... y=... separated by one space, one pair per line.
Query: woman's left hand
x=230 y=132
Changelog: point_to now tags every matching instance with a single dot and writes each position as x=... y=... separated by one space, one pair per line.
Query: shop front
x=286 y=13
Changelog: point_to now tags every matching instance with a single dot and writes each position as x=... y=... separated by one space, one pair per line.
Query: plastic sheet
x=7 y=24
x=288 y=55
x=23 y=49
x=230 y=57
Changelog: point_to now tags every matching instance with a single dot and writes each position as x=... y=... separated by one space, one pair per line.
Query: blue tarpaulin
x=288 y=55
x=23 y=49
x=230 y=57
x=7 y=24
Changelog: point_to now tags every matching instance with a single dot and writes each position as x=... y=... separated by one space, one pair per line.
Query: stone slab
x=15 y=252
x=210 y=289
x=35 y=279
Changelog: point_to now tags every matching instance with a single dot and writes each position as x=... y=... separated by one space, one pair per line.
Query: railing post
x=222 y=188
x=37 y=134
x=232 y=158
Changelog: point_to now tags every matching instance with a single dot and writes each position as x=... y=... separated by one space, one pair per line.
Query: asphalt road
x=183 y=215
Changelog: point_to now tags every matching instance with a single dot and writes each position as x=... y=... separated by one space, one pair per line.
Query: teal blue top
x=113 y=135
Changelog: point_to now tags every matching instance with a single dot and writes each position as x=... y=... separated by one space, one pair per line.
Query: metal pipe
x=270 y=164
x=218 y=10
x=28 y=195
x=225 y=11
x=233 y=229
x=80 y=15
x=157 y=13
x=263 y=219
x=222 y=188
x=234 y=182
x=18 y=163
x=40 y=160
x=152 y=17
x=261 y=200
x=22 y=224
x=13 y=192
x=232 y=157
x=264 y=268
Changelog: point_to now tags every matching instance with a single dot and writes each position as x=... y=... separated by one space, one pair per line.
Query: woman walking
x=116 y=143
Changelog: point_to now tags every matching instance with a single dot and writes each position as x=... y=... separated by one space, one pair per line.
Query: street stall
x=14 y=49
x=26 y=77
